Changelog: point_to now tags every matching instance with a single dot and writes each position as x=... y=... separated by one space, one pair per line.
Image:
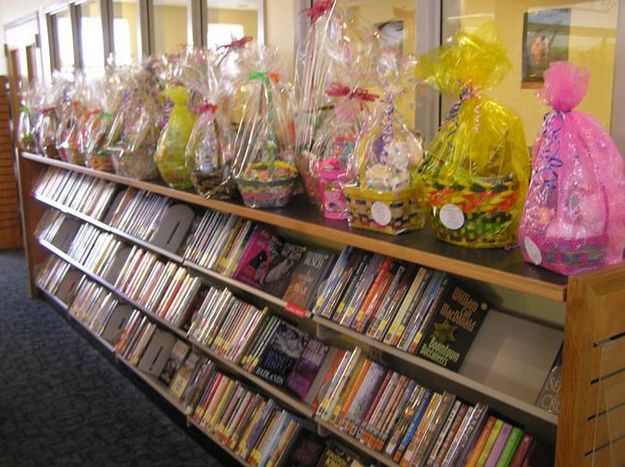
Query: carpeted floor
x=63 y=403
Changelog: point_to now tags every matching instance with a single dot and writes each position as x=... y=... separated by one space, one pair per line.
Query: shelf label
x=295 y=309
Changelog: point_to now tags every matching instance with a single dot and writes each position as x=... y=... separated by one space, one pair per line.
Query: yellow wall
x=592 y=47
x=170 y=28
x=247 y=18
x=280 y=28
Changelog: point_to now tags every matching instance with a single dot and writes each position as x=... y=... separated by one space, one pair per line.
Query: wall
x=170 y=28
x=247 y=18
x=128 y=11
x=591 y=44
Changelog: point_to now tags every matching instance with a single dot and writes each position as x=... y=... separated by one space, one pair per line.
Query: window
x=231 y=19
x=91 y=39
x=64 y=42
x=125 y=31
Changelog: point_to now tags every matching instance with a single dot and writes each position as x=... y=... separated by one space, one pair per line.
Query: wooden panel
x=576 y=373
x=496 y=266
x=607 y=427
x=11 y=237
x=608 y=358
x=608 y=456
x=597 y=400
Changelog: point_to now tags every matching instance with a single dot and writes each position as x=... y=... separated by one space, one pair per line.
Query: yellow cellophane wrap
x=476 y=170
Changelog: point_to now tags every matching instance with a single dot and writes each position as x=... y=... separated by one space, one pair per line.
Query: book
x=477 y=449
x=281 y=267
x=437 y=455
x=549 y=396
x=409 y=433
x=183 y=376
x=453 y=326
x=175 y=361
x=306 y=368
x=522 y=450
x=507 y=453
x=281 y=353
x=261 y=250
x=490 y=442
x=336 y=455
x=500 y=442
x=306 y=451
x=307 y=276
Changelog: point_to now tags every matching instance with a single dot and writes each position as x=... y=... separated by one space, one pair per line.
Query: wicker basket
x=391 y=212
x=486 y=209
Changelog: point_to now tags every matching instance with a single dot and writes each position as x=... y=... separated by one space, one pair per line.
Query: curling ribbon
x=318 y=10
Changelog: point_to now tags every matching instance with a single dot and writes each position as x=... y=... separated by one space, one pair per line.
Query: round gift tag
x=532 y=250
x=451 y=216
x=381 y=213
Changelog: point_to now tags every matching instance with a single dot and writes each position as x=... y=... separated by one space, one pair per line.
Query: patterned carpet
x=64 y=403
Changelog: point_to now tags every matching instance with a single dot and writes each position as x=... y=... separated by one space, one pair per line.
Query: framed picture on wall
x=545 y=40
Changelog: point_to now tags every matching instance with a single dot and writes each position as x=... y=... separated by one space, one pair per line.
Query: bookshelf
x=594 y=326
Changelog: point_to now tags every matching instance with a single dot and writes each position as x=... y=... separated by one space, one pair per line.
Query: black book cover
x=281 y=353
x=307 y=276
x=337 y=455
x=305 y=451
x=549 y=396
x=453 y=326
x=281 y=268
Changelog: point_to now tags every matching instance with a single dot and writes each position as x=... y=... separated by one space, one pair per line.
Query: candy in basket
x=264 y=167
x=574 y=216
x=476 y=169
x=209 y=152
x=27 y=118
x=383 y=196
x=334 y=146
x=73 y=114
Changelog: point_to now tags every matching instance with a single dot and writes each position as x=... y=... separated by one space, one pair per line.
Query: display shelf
x=356 y=444
x=104 y=283
x=216 y=440
x=272 y=300
x=270 y=389
x=539 y=421
x=496 y=266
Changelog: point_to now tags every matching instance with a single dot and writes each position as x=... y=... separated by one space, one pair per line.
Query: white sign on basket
x=381 y=213
x=451 y=216
x=533 y=251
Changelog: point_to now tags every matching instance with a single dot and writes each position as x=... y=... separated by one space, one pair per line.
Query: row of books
x=420 y=311
x=251 y=425
x=225 y=323
x=137 y=212
x=256 y=256
x=88 y=195
x=50 y=274
x=413 y=308
x=412 y=424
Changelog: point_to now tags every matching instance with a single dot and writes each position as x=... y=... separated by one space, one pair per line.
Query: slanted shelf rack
x=594 y=325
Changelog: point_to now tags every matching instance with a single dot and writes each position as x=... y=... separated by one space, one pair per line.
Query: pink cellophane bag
x=574 y=216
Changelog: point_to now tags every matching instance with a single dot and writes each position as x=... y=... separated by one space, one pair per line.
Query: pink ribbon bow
x=318 y=10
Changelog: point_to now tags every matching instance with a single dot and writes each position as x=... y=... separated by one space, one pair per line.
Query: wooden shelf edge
x=275 y=392
x=492 y=395
x=520 y=283
x=356 y=444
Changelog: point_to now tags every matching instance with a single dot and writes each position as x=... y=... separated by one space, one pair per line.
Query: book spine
x=522 y=450
x=505 y=459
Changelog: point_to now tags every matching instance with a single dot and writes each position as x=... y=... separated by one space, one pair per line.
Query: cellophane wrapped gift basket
x=264 y=145
x=131 y=140
x=334 y=146
x=27 y=135
x=336 y=48
x=73 y=113
x=209 y=152
x=233 y=65
x=48 y=118
x=107 y=96
x=476 y=169
x=170 y=151
x=383 y=194
x=574 y=217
